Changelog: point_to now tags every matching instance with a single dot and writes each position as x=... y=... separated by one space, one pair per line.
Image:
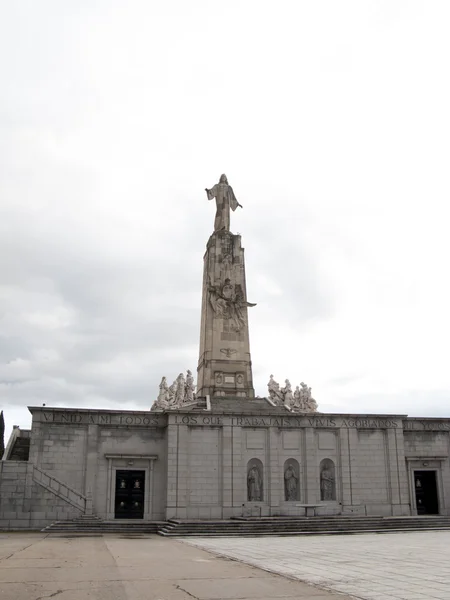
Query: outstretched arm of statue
x=211 y=193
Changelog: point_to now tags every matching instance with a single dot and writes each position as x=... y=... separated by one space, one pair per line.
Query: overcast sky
x=332 y=123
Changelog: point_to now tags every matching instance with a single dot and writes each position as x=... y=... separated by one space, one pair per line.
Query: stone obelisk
x=224 y=365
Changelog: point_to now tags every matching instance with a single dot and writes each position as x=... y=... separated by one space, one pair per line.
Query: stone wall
x=60 y=449
x=83 y=448
x=24 y=504
x=210 y=457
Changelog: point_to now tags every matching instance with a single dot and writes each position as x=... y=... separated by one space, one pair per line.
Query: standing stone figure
x=173 y=392
x=327 y=482
x=225 y=199
x=164 y=394
x=254 y=485
x=189 y=395
x=297 y=398
x=180 y=388
x=290 y=484
x=287 y=394
x=164 y=397
x=274 y=391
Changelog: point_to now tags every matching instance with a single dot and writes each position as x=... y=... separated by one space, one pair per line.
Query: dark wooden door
x=426 y=492
x=130 y=492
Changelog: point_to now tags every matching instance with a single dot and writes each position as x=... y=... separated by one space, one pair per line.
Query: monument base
x=237 y=458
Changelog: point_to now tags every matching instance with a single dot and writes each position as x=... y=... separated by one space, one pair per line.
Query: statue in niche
x=137 y=484
x=290 y=483
x=327 y=482
x=254 y=485
x=225 y=199
x=123 y=484
x=189 y=395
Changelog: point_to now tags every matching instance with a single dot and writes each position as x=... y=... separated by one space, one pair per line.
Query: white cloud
x=331 y=121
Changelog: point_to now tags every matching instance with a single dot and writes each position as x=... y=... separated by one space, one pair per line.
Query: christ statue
x=225 y=199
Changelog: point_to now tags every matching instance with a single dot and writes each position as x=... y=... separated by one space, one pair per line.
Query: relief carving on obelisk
x=227 y=301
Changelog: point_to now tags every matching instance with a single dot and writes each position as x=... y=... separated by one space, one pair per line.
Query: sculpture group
x=180 y=393
x=228 y=303
x=298 y=401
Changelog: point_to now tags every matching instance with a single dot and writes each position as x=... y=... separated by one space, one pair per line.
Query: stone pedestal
x=224 y=366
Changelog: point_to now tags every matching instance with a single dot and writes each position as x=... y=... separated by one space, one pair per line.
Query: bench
x=310 y=509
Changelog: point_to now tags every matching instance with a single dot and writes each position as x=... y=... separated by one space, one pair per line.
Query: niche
x=255 y=480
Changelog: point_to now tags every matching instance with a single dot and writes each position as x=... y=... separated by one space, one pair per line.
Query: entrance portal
x=130 y=486
x=426 y=492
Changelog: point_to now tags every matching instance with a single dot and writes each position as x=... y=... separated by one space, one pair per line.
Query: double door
x=130 y=494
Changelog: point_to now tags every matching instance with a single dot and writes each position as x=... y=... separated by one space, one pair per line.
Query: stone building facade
x=196 y=464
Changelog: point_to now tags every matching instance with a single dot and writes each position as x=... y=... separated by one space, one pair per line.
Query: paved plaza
x=401 y=566
x=406 y=566
x=120 y=567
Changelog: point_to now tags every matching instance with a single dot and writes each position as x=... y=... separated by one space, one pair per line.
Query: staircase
x=286 y=526
x=93 y=525
x=18 y=447
x=249 y=527
x=62 y=490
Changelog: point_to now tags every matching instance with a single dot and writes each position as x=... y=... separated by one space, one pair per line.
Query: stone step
x=309 y=525
x=300 y=526
x=299 y=533
x=98 y=526
x=251 y=527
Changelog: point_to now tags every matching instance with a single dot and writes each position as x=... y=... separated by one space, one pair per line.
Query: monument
x=224 y=365
x=215 y=450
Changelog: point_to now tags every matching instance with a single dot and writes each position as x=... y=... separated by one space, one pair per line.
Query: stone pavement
x=120 y=567
x=396 y=566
